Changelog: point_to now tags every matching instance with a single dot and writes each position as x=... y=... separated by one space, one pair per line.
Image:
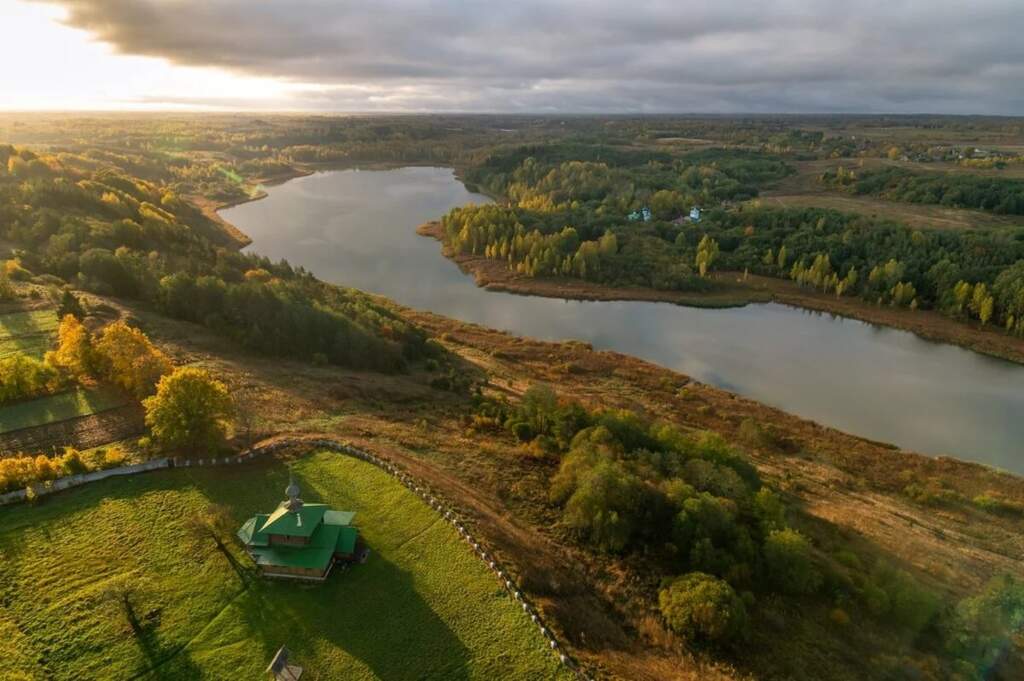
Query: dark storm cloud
x=594 y=55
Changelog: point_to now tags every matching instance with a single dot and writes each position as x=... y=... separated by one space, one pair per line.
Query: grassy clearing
x=61 y=407
x=803 y=190
x=29 y=332
x=422 y=607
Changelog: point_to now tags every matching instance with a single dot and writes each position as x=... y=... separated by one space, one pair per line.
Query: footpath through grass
x=106 y=582
x=61 y=407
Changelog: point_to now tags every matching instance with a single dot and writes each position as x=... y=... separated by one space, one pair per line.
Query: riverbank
x=738 y=290
x=913 y=511
x=493 y=275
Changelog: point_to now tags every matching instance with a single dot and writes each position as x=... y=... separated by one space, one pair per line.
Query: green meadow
x=30 y=333
x=107 y=582
x=60 y=407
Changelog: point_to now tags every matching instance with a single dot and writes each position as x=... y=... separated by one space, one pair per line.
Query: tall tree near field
x=707 y=251
x=127 y=357
x=70 y=305
x=74 y=351
x=190 y=411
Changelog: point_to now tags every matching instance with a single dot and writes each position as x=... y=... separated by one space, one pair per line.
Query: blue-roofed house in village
x=300 y=540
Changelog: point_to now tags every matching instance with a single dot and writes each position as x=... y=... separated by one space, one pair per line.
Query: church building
x=300 y=540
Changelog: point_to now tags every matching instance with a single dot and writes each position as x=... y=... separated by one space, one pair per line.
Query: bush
x=908 y=604
x=700 y=607
x=24 y=470
x=790 y=569
x=983 y=625
x=605 y=507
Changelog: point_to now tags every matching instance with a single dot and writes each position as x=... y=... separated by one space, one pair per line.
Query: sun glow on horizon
x=56 y=67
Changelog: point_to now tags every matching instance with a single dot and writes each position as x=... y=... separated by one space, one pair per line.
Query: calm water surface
x=357 y=228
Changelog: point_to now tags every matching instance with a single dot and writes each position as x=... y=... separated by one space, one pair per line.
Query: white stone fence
x=49 y=487
x=432 y=499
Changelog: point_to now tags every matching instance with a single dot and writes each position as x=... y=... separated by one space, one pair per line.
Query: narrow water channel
x=357 y=228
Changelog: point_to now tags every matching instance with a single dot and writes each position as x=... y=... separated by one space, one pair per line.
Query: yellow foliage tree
x=125 y=356
x=74 y=352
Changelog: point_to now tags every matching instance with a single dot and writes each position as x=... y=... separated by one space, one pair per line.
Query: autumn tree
x=125 y=356
x=190 y=411
x=707 y=251
x=74 y=353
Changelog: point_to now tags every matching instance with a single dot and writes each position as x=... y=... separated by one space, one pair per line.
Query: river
x=357 y=228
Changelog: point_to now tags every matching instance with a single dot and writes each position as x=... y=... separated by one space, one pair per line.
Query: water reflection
x=357 y=228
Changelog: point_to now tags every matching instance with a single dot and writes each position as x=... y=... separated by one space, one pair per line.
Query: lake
x=357 y=228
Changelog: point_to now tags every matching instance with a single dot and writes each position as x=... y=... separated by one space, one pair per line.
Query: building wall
x=290 y=541
x=292 y=572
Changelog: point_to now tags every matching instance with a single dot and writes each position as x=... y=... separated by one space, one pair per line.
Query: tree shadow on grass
x=157 y=655
x=371 y=611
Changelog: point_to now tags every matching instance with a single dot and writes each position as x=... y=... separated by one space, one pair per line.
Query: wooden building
x=300 y=540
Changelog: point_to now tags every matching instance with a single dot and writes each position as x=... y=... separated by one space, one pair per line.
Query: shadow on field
x=144 y=630
x=372 y=612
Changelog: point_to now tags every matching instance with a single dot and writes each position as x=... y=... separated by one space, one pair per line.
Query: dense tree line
x=976 y=274
x=955 y=190
x=89 y=223
x=598 y=180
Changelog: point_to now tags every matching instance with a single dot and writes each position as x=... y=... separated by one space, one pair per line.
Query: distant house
x=300 y=540
x=695 y=214
x=642 y=215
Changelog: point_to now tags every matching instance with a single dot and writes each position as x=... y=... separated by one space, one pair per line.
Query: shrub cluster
x=23 y=470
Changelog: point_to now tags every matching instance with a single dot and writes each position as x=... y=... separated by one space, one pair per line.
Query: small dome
x=292 y=491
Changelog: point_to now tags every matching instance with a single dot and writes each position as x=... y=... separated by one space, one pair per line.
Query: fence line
x=447 y=511
x=39 y=489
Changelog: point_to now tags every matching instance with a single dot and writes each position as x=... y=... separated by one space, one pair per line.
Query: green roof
x=327 y=532
x=347 y=540
x=339 y=517
x=315 y=555
x=301 y=523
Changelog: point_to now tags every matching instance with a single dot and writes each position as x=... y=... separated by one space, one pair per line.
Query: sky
x=531 y=56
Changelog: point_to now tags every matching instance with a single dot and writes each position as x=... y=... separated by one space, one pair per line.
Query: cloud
x=593 y=55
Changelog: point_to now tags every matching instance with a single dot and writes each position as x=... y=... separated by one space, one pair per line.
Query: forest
x=86 y=221
x=1004 y=196
x=573 y=218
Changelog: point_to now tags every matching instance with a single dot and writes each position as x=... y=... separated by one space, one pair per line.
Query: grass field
x=29 y=332
x=105 y=582
x=803 y=190
x=60 y=407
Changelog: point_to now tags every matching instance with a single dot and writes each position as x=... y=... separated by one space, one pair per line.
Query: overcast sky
x=516 y=55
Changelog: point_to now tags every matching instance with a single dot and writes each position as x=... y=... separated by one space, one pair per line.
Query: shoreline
x=929 y=325
x=493 y=276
